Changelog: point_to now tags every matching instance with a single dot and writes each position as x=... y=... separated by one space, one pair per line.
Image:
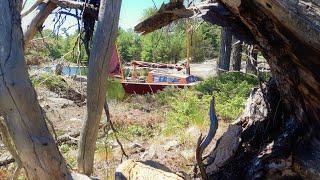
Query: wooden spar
x=189 y=39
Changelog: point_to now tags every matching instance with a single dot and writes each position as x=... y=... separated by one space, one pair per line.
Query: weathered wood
x=34 y=6
x=64 y=139
x=24 y=120
x=252 y=60
x=100 y=55
x=166 y=14
x=41 y=14
x=89 y=8
x=225 y=149
x=142 y=171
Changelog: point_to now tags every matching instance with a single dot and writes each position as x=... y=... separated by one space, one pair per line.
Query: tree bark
x=235 y=61
x=225 y=50
x=24 y=120
x=100 y=55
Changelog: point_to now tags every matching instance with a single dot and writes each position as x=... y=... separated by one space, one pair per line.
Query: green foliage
x=52 y=82
x=56 y=47
x=129 y=45
x=186 y=108
x=191 y=106
x=115 y=90
x=137 y=130
x=230 y=82
x=230 y=91
x=169 y=44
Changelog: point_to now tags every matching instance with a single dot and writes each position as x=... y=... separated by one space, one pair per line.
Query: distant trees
x=51 y=46
x=169 y=44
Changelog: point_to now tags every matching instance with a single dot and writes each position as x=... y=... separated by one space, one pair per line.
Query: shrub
x=186 y=108
x=191 y=106
x=230 y=90
x=52 y=82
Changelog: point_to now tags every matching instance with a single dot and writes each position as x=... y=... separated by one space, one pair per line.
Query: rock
x=171 y=144
x=75 y=119
x=78 y=176
x=142 y=171
x=135 y=145
x=60 y=102
x=79 y=78
x=114 y=144
x=188 y=154
x=135 y=148
x=151 y=153
x=194 y=132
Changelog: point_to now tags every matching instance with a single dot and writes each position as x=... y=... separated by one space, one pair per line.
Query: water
x=69 y=70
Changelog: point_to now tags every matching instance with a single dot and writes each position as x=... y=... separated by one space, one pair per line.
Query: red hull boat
x=159 y=76
x=151 y=88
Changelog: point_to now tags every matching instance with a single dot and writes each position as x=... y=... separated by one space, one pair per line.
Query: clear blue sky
x=131 y=13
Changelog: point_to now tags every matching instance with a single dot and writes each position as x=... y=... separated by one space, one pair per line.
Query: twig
x=106 y=109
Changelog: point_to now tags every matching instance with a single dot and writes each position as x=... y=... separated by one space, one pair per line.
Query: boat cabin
x=165 y=77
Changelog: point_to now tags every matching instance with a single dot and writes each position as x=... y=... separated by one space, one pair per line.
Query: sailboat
x=159 y=76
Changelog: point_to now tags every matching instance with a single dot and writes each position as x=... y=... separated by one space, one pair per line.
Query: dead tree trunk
x=235 y=59
x=100 y=55
x=252 y=60
x=225 y=50
x=24 y=120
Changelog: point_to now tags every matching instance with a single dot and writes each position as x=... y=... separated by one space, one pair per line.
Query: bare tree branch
x=42 y=12
x=44 y=9
x=33 y=7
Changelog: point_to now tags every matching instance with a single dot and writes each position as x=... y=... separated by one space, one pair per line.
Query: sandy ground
x=205 y=69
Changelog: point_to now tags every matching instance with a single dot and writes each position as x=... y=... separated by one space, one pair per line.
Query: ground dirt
x=176 y=152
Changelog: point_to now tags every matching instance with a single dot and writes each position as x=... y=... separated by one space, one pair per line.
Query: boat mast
x=189 y=39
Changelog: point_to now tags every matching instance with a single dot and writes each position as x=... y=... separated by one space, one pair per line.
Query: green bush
x=191 y=106
x=186 y=107
x=230 y=91
x=52 y=82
